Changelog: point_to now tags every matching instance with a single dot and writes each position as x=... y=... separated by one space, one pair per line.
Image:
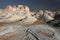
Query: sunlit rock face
x=19 y=23
x=12 y=19
x=16 y=13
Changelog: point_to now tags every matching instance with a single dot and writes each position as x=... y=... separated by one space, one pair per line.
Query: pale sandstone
x=12 y=14
x=23 y=16
x=12 y=31
x=28 y=20
x=8 y=8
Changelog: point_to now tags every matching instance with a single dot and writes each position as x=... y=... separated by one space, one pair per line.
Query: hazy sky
x=40 y=4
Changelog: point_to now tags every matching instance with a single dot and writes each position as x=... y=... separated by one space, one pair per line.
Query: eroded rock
x=15 y=24
x=12 y=14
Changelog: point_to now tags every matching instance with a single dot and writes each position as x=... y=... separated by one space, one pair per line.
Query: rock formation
x=19 y=13
x=19 y=23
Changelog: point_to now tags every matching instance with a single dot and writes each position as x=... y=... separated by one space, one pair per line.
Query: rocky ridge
x=19 y=23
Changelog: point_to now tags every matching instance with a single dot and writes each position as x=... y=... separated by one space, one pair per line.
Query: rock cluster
x=49 y=17
x=19 y=23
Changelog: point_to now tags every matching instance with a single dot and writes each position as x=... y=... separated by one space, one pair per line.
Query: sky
x=33 y=4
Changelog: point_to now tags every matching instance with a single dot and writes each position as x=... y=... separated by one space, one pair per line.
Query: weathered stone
x=20 y=13
x=19 y=23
